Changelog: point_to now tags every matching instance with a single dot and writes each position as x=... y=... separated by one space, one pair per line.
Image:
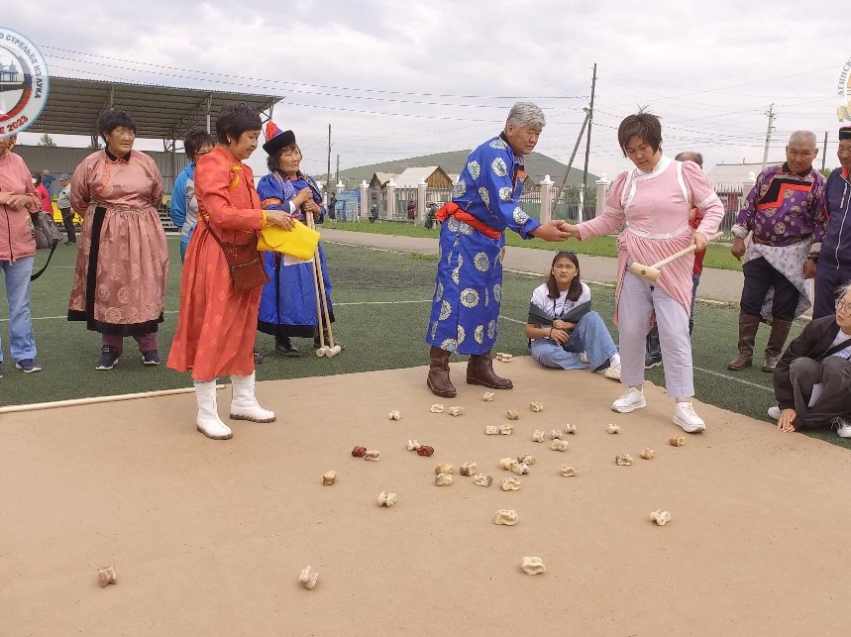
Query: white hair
x=526 y=114
x=804 y=137
x=843 y=290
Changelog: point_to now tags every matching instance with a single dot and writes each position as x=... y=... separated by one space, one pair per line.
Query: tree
x=46 y=141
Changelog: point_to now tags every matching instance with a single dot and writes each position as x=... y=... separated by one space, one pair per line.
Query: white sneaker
x=631 y=400
x=687 y=418
x=843 y=427
x=583 y=358
x=613 y=372
x=774 y=412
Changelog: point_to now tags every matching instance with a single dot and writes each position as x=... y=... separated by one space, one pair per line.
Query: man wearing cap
x=468 y=285
x=63 y=202
x=833 y=268
x=784 y=216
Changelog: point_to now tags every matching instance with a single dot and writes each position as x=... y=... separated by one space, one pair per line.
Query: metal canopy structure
x=160 y=112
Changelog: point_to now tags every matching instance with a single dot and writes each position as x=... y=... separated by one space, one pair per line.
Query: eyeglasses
x=843 y=307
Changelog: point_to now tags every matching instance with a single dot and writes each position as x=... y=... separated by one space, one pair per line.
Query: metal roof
x=160 y=112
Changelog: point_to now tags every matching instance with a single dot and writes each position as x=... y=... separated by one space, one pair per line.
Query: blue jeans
x=590 y=336
x=21 y=340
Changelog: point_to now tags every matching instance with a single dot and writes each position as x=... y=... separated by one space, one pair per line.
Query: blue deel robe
x=468 y=286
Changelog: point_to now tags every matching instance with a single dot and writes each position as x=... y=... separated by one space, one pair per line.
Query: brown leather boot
x=748 y=326
x=776 y=341
x=480 y=372
x=438 y=374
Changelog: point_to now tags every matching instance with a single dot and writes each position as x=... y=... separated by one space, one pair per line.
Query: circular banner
x=24 y=83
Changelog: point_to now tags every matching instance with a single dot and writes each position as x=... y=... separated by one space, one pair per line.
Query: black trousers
x=834 y=374
x=829 y=278
x=759 y=277
x=68 y=220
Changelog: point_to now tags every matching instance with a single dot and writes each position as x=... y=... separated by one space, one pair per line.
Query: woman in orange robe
x=216 y=325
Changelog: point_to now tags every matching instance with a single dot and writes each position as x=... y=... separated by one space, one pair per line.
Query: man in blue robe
x=468 y=286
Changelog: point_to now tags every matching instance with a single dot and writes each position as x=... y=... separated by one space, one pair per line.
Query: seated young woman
x=563 y=331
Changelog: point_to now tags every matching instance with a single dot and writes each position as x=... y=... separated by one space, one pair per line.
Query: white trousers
x=638 y=300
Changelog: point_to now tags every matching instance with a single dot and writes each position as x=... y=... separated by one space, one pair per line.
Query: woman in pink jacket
x=654 y=199
x=18 y=197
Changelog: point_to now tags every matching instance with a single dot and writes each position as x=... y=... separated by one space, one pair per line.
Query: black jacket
x=814 y=342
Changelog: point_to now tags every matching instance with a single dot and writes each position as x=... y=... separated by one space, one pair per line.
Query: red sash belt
x=452 y=209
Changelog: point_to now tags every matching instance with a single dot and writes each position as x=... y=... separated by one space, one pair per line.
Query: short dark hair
x=196 y=138
x=235 y=119
x=644 y=125
x=273 y=162
x=113 y=118
x=575 y=290
x=38 y=179
x=690 y=155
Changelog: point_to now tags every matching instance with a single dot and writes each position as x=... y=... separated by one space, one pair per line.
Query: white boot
x=208 y=421
x=244 y=405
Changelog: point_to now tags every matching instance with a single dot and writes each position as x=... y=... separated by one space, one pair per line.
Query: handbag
x=299 y=243
x=46 y=236
x=244 y=262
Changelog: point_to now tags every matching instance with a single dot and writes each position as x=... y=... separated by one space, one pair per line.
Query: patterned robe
x=468 y=286
x=217 y=325
x=122 y=265
x=288 y=304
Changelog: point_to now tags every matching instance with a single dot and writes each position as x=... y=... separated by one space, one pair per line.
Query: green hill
x=452 y=162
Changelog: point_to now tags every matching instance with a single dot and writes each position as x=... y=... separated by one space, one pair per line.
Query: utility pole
x=572 y=157
x=824 y=152
x=768 y=135
x=588 y=144
x=328 y=183
x=338 y=170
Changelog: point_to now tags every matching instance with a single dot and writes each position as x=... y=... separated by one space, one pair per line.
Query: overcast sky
x=404 y=78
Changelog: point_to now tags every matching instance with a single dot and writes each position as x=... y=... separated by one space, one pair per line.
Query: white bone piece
x=570 y=429
x=555 y=434
x=520 y=469
x=613 y=428
x=456 y=411
x=510 y=484
x=395 y=415
x=308 y=577
x=526 y=459
x=468 y=469
x=623 y=460
x=507 y=463
x=677 y=441
x=512 y=414
x=329 y=478
x=507 y=517
x=647 y=453
x=413 y=445
x=538 y=435
x=482 y=480
x=443 y=479
x=536 y=407
x=488 y=396
x=372 y=455
x=568 y=472
x=660 y=517
x=506 y=429
x=492 y=430
x=437 y=408
x=559 y=445
x=533 y=566
x=444 y=468
x=106 y=576
x=386 y=499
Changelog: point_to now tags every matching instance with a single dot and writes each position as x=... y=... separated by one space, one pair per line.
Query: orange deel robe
x=217 y=326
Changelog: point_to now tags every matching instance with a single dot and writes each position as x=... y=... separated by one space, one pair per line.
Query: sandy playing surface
x=208 y=538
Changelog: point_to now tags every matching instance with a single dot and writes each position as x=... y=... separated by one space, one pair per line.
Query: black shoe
x=652 y=361
x=285 y=347
x=108 y=358
x=151 y=357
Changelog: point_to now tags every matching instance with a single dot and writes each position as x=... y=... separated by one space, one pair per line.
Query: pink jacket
x=16 y=238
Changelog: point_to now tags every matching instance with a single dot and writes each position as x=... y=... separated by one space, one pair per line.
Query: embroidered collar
x=802 y=175
x=114 y=158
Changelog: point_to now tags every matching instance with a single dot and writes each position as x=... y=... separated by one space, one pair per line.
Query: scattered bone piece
x=359 y=452
x=507 y=517
x=395 y=415
x=536 y=407
x=648 y=453
x=329 y=478
x=507 y=463
x=504 y=357
x=468 y=469
x=568 y=472
x=527 y=459
x=488 y=396
x=660 y=517
x=308 y=577
x=512 y=414
x=413 y=445
x=559 y=445
x=444 y=468
x=425 y=450
x=570 y=429
x=482 y=480
x=677 y=441
x=492 y=430
x=623 y=460
x=520 y=469
x=506 y=429
x=456 y=411
x=372 y=455
x=538 y=435
x=613 y=428
x=386 y=499
x=443 y=479
x=437 y=408
x=510 y=484
x=533 y=566
x=555 y=434
x=106 y=576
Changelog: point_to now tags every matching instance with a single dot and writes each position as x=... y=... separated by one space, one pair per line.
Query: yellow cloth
x=300 y=242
